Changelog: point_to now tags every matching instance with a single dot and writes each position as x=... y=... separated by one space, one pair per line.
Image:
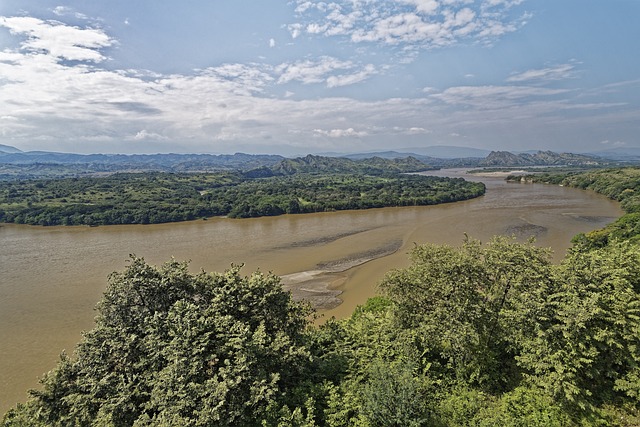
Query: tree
x=172 y=348
x=587 y=351
x=473 y=306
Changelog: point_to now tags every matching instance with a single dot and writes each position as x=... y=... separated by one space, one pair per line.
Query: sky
x=304 y=76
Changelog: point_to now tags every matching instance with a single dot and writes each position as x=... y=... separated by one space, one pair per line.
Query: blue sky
x=304 y=76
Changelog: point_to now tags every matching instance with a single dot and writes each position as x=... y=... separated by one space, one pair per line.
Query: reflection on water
x=51 y=278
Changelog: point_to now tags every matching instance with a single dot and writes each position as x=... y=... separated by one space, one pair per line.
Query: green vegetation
x=148 y=198
x=479 y=335
x=171 y=348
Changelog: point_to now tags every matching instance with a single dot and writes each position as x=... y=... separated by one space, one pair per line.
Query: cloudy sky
x=296 y=77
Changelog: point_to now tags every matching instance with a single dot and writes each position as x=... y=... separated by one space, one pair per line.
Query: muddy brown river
x=52 y=277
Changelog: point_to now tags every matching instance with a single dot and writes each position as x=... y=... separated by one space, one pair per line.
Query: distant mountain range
x=447 y=152
x=432 y=152
x=15 y=163
x=628 y=154
x=168 y=162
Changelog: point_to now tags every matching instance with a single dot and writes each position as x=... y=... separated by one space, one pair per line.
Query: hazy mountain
x=381 y=154
x=540 y=158
x=146 y=162
x=9 y=149
x=630 y=154
x=447 y=152
x=435 y=152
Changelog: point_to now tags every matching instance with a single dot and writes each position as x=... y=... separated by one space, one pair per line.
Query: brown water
x=51 y=277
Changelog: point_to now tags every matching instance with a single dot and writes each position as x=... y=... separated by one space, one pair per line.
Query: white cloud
x=422 y=23
x=493 y=96
x=427 y=7
x=59 y=40
x=349 y=79
x=243 y=78
x=146 y=135
x=502 y=3
x=61 y=10
x=64 y=11
x=272 y=43
x=411 y=131
x=309 y=71
x=295 y=30
x=558 y=72
x=340 y=133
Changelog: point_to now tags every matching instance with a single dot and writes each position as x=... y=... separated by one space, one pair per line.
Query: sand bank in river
x=319 y=286
x=499 y=174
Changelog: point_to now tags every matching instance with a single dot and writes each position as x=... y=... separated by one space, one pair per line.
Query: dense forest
x=484 y=334
x=148 y=198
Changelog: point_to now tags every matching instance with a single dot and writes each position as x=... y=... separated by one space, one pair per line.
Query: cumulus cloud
x=59 y=40
x=146 y=135
x=311 y=71
x=423 y=23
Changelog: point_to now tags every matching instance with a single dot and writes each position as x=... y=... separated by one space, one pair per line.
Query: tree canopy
x=172 y=348
x=147 y=198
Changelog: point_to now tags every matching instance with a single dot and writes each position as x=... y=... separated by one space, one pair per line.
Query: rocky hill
x=541 y=158
x=373 y=165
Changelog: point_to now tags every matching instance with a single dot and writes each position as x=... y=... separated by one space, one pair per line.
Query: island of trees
x=311 y=184
x=484 y=334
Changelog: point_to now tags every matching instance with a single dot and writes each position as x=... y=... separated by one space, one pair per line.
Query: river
x=51 y=277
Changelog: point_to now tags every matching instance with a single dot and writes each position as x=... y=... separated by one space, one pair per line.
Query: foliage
x=473 y=306
x=158 y=197
x=551 y=344
x=172 y=348
x=587 y=349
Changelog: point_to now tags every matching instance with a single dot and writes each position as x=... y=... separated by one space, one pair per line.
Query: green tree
x=473 y=306
x=587 y=349
x=172 y=348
